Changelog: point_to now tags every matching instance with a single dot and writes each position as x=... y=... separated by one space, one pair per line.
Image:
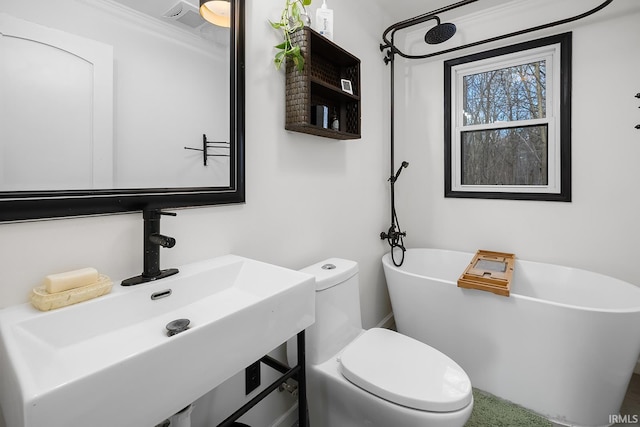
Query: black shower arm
x=422 y=18
x=418 y=20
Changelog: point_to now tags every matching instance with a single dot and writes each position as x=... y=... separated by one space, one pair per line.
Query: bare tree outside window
x=516 y=156
x=505 y=156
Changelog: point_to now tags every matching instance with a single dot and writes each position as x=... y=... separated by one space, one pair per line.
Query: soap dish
x=44 y=301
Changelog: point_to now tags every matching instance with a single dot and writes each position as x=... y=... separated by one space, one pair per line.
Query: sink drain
x=177 y=326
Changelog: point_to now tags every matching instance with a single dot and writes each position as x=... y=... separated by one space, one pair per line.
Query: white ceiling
x=182 y=14
x=396 y=10
x=155 y=8
x=399 y=10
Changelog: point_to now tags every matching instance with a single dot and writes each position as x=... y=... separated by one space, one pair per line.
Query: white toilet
x=377 y=377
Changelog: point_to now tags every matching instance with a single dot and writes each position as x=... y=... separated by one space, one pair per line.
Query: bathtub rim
x=387 y=262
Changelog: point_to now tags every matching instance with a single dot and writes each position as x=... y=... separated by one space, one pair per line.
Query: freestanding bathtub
x=564 y=344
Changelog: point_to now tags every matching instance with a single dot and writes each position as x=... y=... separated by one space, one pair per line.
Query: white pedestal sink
x=109 y=362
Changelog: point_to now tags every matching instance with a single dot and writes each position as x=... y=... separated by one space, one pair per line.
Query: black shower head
x=440 y=33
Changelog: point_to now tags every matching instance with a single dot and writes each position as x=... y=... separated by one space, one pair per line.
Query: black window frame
x=565 y=42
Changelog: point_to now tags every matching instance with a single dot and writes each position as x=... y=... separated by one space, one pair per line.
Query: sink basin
x=109 y=361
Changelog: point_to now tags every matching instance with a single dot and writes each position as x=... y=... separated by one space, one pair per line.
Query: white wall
x=308 y=198
x=598 y=230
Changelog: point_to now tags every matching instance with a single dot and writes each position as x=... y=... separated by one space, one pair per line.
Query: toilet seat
x=405 y=371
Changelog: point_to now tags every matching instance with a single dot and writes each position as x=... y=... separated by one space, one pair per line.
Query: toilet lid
x=405 y=371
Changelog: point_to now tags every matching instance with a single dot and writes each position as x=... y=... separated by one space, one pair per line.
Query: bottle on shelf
x=335 y=123
x=324 y=20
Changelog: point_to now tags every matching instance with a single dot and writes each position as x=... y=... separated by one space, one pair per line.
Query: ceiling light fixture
x=218 y=12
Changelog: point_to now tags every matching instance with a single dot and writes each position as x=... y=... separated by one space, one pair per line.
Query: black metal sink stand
x=297 y=373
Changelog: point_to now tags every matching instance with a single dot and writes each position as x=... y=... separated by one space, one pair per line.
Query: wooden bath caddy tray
x=489 y=271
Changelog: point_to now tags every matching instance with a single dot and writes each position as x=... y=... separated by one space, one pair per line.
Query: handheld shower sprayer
x=394 y=178
x=394 y=236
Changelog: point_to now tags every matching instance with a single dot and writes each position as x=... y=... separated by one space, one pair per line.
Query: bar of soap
x=70 y=280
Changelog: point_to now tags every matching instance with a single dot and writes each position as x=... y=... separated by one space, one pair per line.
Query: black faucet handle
x=167 y=213
x=164 y=241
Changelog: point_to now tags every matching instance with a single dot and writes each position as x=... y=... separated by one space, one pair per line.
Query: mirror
x=107 y=106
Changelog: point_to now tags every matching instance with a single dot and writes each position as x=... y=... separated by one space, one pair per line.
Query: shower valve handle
x=392 y=234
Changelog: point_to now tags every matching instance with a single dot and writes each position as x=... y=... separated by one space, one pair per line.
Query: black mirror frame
x=20 y=206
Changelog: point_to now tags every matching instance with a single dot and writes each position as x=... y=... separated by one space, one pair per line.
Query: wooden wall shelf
x=319 y=83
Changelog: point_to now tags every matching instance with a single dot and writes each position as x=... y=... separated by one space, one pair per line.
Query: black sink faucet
x=152 y=242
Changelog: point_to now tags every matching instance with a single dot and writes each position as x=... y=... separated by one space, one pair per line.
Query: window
x=508 y=122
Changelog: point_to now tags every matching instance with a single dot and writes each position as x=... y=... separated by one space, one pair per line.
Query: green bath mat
x=491 y=411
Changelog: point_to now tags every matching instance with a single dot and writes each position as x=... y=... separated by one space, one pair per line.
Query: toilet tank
x=338 y=319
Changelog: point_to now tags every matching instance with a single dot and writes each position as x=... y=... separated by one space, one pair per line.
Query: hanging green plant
x=294 y=17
